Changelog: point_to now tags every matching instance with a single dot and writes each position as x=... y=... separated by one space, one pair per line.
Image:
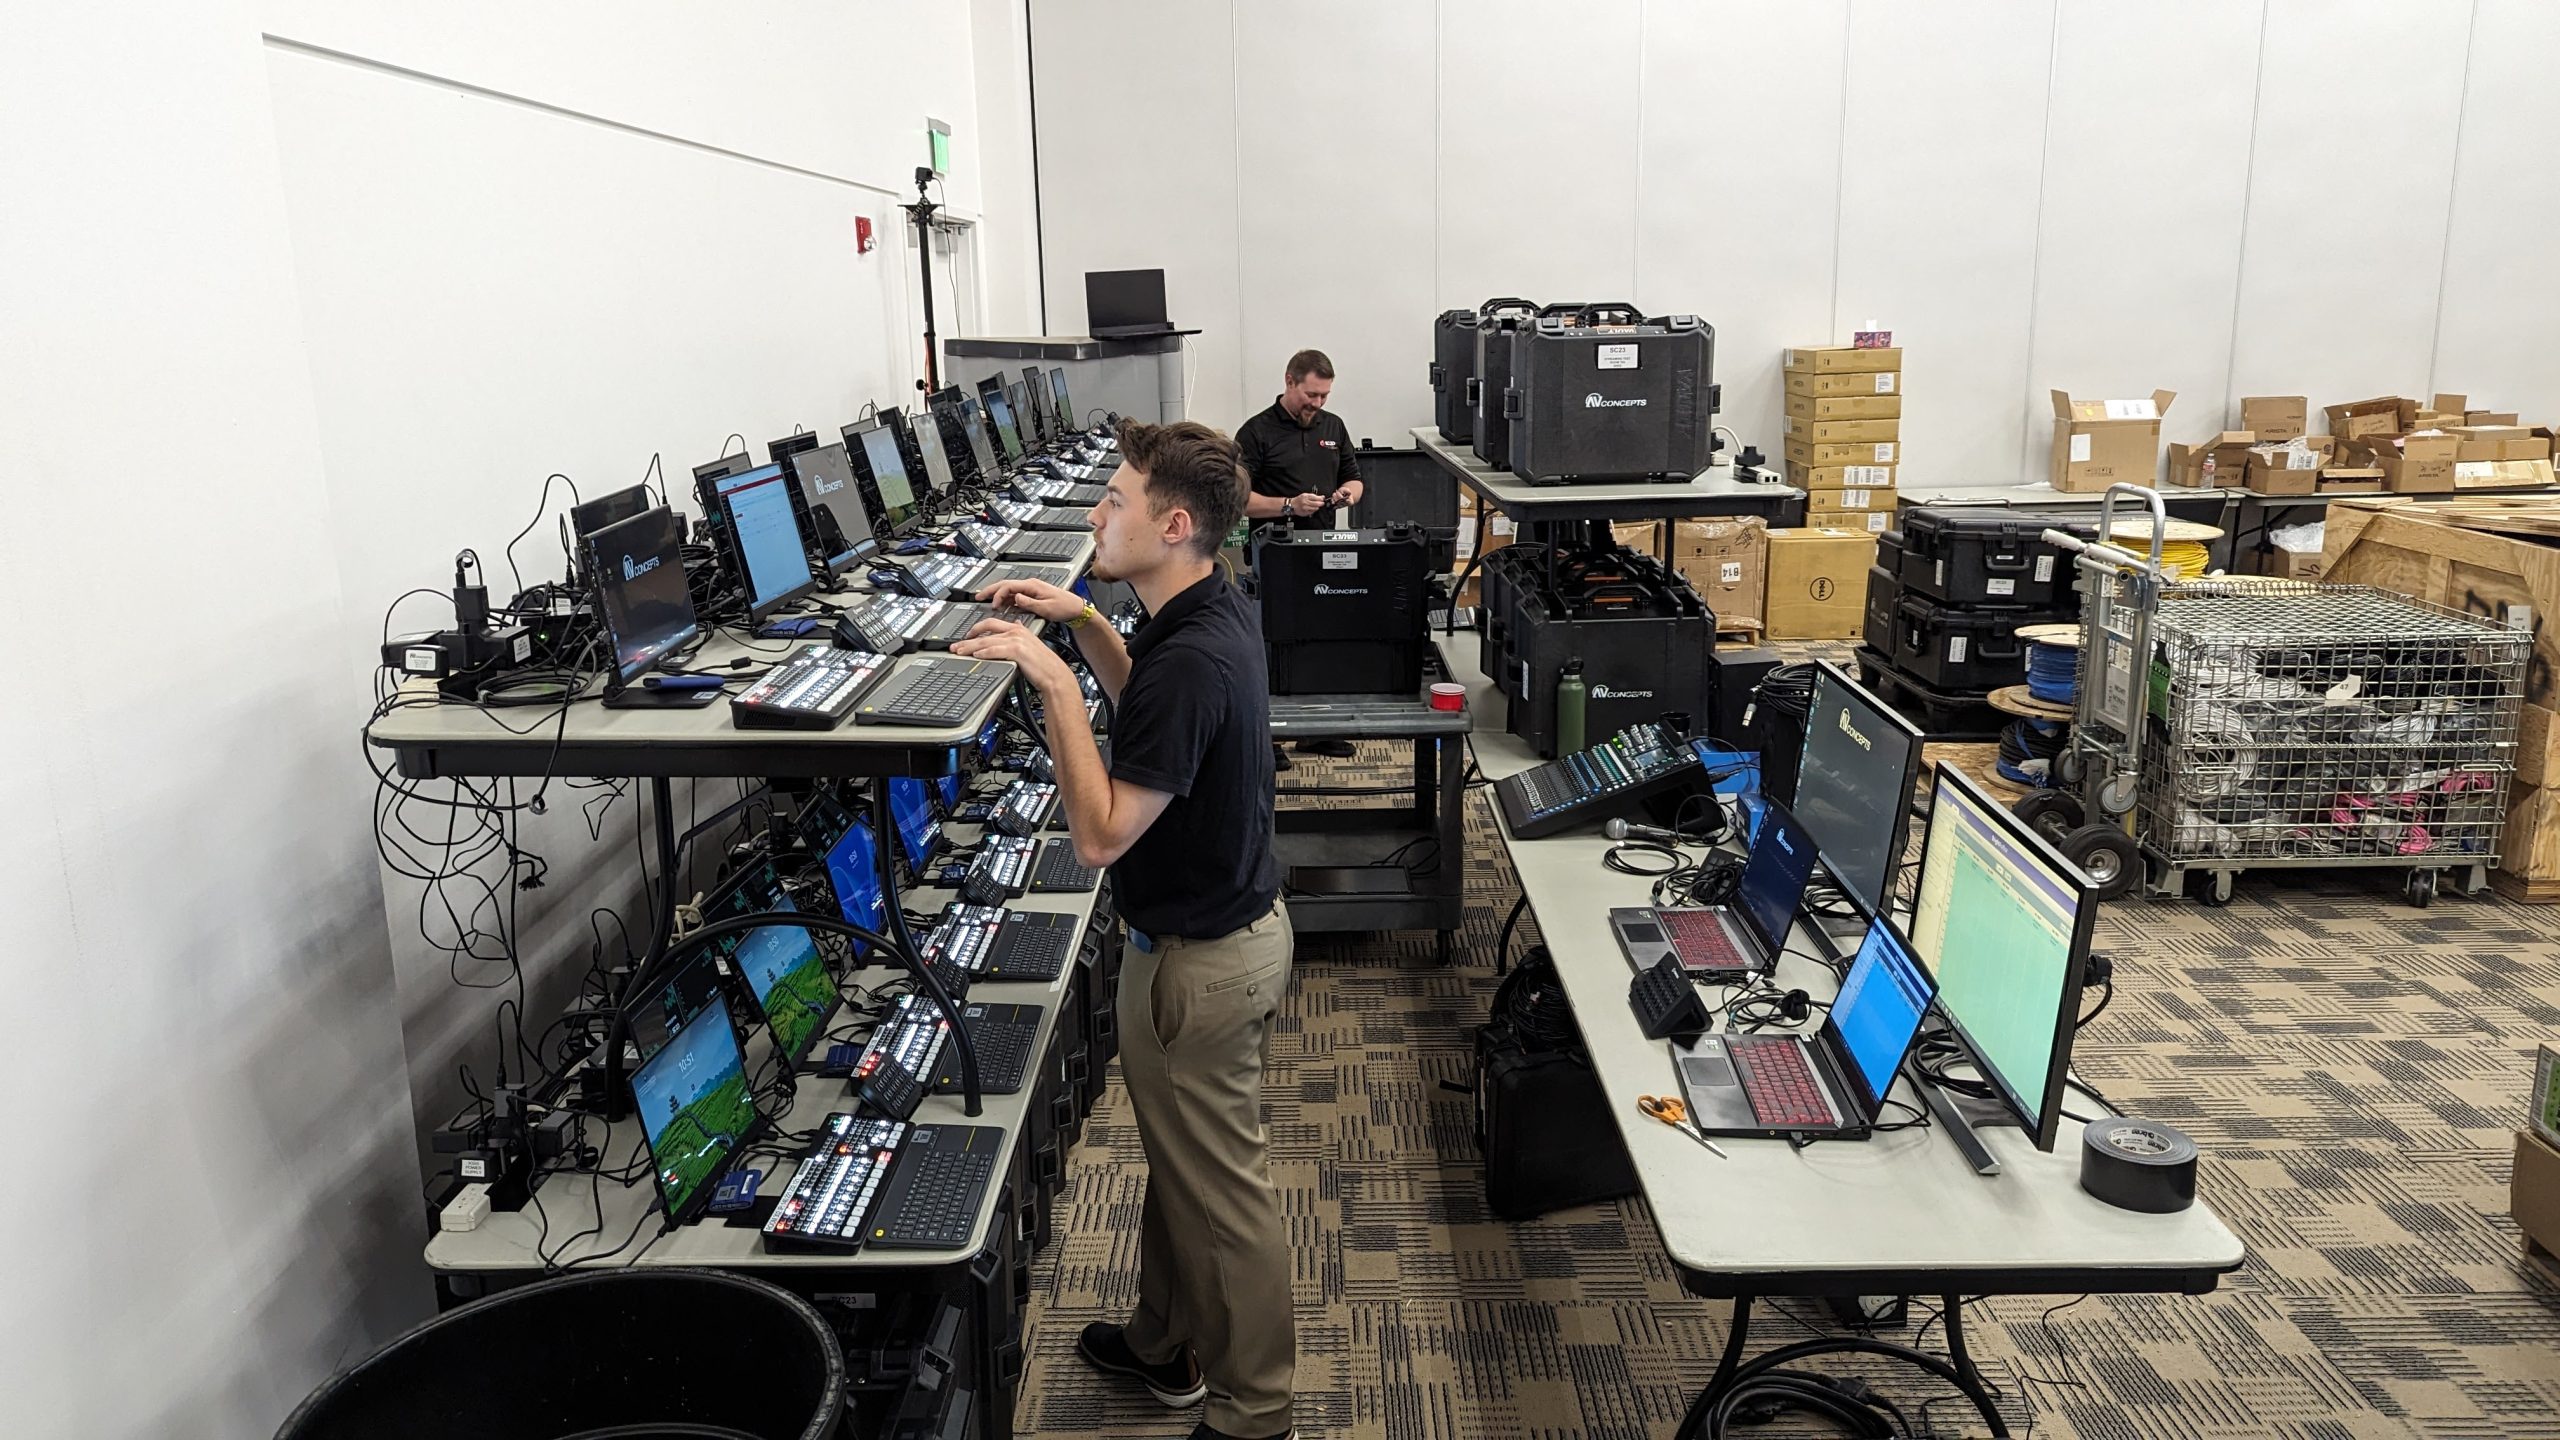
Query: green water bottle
x=1570 y=693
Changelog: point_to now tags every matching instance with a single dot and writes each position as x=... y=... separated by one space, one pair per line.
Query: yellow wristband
x=1077 y=620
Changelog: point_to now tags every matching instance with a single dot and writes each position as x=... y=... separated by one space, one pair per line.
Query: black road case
x=1610 y=395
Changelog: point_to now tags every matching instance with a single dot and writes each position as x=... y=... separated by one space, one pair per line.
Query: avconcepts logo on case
x=1594 y=401
x=633 y=569
x=1341 y=590
x=1603 y=692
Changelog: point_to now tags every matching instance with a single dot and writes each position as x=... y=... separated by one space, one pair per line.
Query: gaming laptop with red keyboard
x=1726 y=944
x=1832 y=1085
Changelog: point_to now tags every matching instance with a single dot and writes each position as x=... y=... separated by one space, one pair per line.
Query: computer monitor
x=1124 y=300
x=1877 y=1012
x=764 y=540
x=839 y=529
x=973 y=424
x=822 y=822
x=2005 y=922
x=853 y=867
x=710 y=470
x=641 y=592
x=938 y=478
x=656 y=1018
x=1853 y=787
x=919 y=834
x=878 y=460
x=1773 y=877
x=1000 y=420
x=948 y=787
x=1063 y=407
x=781 y=964
x=621 y=505
x=1027 y=416
x=695 y=1109
x=798 y=442
x=989 y=739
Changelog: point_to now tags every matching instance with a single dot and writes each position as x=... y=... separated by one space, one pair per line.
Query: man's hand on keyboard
x=1049 y=602
x=997 y=640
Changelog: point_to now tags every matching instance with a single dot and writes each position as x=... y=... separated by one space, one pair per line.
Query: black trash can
x=614 y=1355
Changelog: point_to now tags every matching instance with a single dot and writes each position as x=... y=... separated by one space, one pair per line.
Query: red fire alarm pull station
x=862 y=239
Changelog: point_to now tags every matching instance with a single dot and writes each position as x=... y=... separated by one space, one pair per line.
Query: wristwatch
x=1077 y=620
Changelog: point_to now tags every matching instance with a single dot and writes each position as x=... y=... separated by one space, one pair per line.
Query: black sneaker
x=1280 y=758
x=1177 y=1383
x=1338 y=749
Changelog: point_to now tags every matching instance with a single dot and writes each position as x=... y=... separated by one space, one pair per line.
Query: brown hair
x=1190 y=465
x=1309 y=362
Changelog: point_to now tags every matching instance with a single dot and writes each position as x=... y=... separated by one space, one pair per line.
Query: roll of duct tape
x=2137 y=1164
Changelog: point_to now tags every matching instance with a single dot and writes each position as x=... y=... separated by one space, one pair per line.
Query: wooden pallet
x=2523 y=891
x=1979 y=764
x=1739 y=630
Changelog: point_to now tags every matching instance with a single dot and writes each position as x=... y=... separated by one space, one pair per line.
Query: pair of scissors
x=1671 y=1110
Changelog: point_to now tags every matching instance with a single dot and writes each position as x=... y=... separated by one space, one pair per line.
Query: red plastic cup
x=1448 y=695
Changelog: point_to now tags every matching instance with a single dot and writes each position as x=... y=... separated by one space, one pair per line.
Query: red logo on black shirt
x=1330 y=444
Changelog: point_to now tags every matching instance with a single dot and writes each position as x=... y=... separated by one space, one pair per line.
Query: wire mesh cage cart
x=2299 y=725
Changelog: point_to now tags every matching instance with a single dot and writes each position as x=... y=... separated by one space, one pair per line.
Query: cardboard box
x=1644 y=535
x=1875 y=497
x=1818 y=583
x=1836 y=359
x=1845 y=407
x=2275 y=418
x=2292 y=468
x=2533 y=1194
x=2350 y=479
x=1841 y=477
x=2501 y=474
x=1812 y=456
x=1842 y=432
x=2098 y=443
x=2499 y=442
x=1872 y=522
x=2417 y=464
x=2293 y=564
x=2221 y=460
x=1844 y=382
x=1726 y=562
x=2490 y=417
x=2378 y=416
x=1481 y=531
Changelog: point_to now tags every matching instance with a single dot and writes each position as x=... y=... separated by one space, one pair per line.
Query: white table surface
x=1903 y=1201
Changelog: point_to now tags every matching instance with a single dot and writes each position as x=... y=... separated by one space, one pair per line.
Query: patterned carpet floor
x=2354 y=1069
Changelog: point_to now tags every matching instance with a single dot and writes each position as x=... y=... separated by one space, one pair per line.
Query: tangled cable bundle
x=2027 y=750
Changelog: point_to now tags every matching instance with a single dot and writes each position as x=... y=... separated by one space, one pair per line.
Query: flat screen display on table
x=1853 y=791
x=641 y=590
x=1878 y=1010
x=695 y=1108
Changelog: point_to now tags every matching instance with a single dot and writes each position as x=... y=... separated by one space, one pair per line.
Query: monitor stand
x=1960 y=1116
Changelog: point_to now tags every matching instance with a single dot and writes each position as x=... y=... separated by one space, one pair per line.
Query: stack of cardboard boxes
x=1726 y=560
x=1843 y=450
x=1844 y=434
x=2426 y=449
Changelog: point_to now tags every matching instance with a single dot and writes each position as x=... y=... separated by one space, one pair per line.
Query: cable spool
x=2028 y=741
x=2053 y=662
x=2184 y=559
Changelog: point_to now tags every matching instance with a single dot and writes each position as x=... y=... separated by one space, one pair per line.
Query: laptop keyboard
x=1779 y=1081
x=1698 y=937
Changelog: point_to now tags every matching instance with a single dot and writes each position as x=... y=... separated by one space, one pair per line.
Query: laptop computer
x=1830 y=1085
x=1724 y=944
x=1122 y=304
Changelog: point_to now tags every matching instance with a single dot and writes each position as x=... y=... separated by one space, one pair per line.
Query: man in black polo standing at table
x=1182 y=815
x=1298 y=455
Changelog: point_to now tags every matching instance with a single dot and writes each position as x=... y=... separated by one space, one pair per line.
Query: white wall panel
x=1943 y=153
x=1335 y=217
x=837 y=86
x=1136 y=109
x=2501 y=301
x=2349 y=188
x=1537 y=177
x=1009 y=241
x=2146 y=177
x=1738 y=185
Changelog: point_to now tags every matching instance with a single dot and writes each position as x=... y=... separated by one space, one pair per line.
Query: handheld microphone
x=1621 y=830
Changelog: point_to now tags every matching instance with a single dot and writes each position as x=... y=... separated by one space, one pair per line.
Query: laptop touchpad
x=1705 y=1070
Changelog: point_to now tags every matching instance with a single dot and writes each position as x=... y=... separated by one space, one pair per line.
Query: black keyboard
x=935 y=690
x=1608 y=779
x=813 y=689
x=1778 y=1080
x=1059 y=870
x=1044 y=545
x=937 y=1186
x=837 y=1185
x=900 y=1057
x=1025 y=806
x=1001 y=871
x=1002 y=1036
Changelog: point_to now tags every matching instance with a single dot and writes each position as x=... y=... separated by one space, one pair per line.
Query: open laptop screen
x=1879 y=1011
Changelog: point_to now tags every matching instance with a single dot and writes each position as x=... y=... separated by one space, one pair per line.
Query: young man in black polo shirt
x=1182 y=816
x=1298 y=455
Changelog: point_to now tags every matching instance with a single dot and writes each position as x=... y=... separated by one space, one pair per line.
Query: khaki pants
x=1213 y=1251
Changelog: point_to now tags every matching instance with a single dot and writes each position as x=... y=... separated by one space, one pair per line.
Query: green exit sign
x=937 y=137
